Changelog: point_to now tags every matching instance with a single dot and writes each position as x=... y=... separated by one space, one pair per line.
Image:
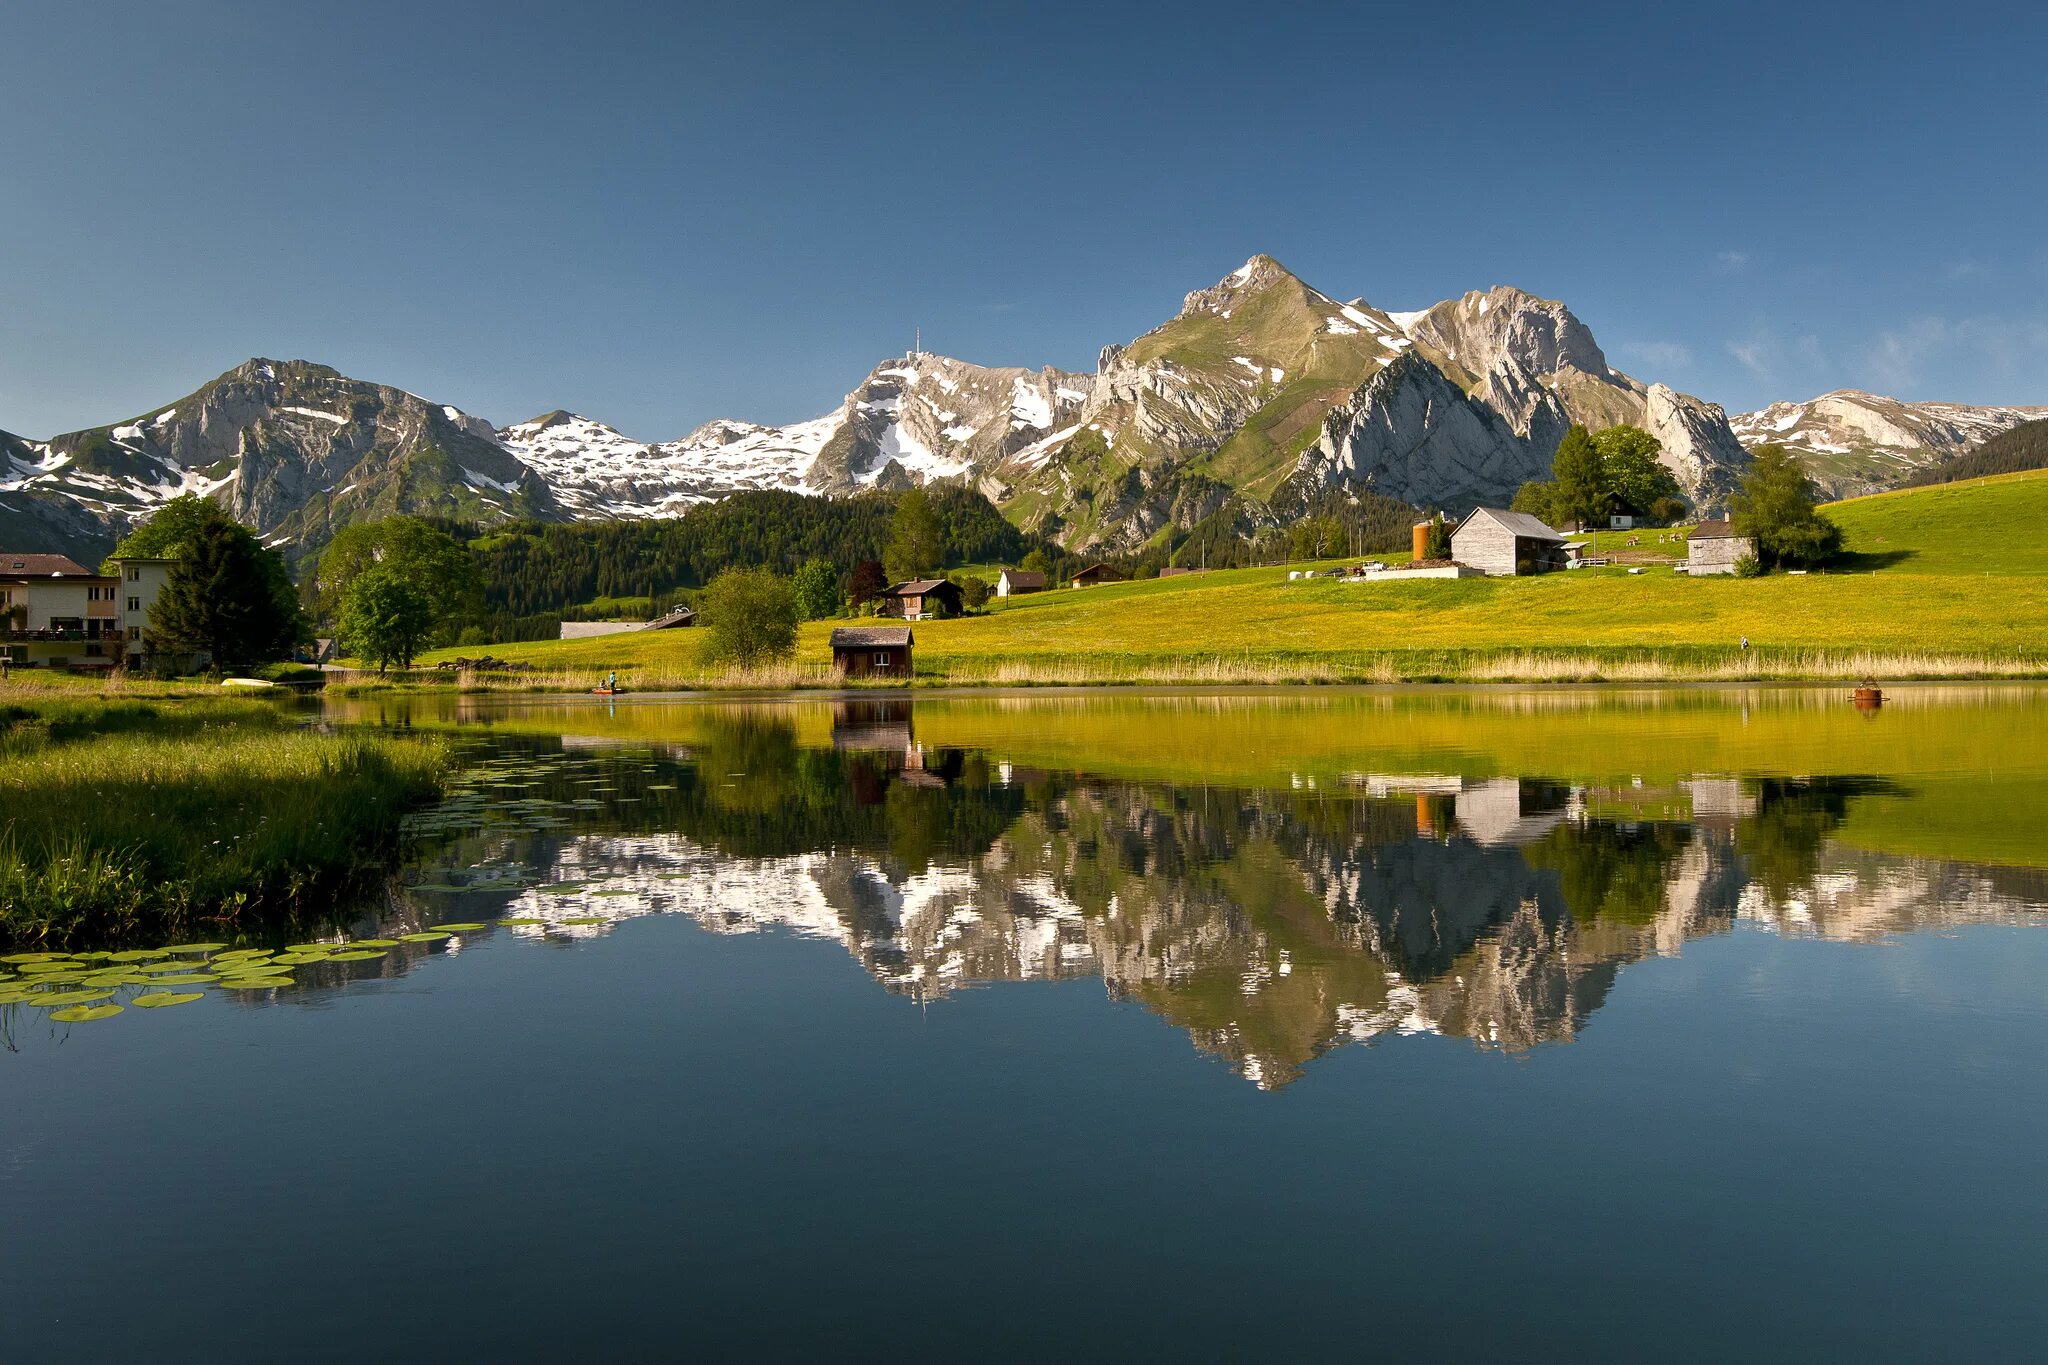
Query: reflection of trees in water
x=1271 y=925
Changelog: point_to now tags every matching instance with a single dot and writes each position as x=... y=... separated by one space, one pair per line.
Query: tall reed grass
x=129 y=818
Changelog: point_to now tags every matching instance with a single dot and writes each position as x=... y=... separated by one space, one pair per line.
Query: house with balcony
x=56 y=613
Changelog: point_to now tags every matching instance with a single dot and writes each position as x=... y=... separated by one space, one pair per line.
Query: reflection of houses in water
x=1494 y=811
x=882 y=726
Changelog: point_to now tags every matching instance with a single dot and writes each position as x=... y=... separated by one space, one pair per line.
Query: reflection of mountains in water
x=1269 y=925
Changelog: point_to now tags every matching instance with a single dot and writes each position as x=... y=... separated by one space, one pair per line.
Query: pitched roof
x=870 y=637
x=674 y=617
x=917 y=587
x=1023 y=578
x=42 y=566
x=1519 y=524
x=1099 y=569
x=1718 y=529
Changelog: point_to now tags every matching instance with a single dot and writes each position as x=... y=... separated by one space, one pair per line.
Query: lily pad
x=458 y=928
x=54 y=999
x=355 y=956
x=157 y=1000
x=196 y=948
x=16 y=959
x=85 y=1014
x=184 y=979
x=562 y=888
x=523 y=922
x=424 y=938
x=586 y=919
x=152 y=967
x=133 y=955
x=254 y=983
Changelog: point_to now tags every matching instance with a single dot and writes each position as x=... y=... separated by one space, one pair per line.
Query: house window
x=135 y=604
x=135 y=575
x=881 y=658
x=135 y=632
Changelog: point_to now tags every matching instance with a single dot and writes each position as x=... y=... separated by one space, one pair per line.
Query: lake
x=1570 y=1024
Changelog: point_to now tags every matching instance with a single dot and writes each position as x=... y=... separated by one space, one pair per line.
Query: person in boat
x=611 y=682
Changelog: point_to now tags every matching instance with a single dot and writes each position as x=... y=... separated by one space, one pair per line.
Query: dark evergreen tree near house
x=174 y=527
x=914 y=537
x=386 y=616
x=975 y=592
x=1581 y=497
x=749 y=618
x=1775 y=507
x=221 y=600
x=867 y=582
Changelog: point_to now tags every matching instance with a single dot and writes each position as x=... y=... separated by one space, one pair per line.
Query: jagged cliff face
x=1537 y=365
x=598 y=472
x=1853 y=442
x=295 y=451
x=1412 y=434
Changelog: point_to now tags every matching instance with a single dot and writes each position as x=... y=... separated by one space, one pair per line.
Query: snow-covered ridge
x=1854 y=442
x=596 y=471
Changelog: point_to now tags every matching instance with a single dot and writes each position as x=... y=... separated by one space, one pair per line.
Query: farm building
x=872 y=651
x=1714 y=547
x=922 y=599
x=676 y=619
x=1096 y=573
x=1011 y=582
x=1504 y=544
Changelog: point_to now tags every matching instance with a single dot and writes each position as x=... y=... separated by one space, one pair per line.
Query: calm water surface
x=1578 y=1026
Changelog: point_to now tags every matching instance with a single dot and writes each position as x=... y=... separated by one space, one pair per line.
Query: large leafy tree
x=386 y=617
x=221 y=599
x=433 y=561
x=816 y=585
x=914 y=537
x=749 y=618
x=1579 y=477
x=1775 y=507
x=1636 y=482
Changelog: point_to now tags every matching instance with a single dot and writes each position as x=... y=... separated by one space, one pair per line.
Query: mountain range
x=1261 y=394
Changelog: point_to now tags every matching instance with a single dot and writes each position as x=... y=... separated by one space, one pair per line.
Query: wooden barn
x=872 y=651
x=1096 y=573
x=923 y=599
x=1503 y=544
x=1714 y=547
x=1011 y=582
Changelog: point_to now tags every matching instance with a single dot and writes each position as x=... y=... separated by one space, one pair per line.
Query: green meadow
x=1939 y=582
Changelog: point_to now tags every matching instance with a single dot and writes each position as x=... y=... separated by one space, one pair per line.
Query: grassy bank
x=1937 y=583
x=127 y=818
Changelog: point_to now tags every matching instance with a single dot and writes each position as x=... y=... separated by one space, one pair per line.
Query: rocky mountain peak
x=1508 y=328
x=1254 y=276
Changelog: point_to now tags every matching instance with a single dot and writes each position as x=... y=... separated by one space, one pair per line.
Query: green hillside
x=1912 y=603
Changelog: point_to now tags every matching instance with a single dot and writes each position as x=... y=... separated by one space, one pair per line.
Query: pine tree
x=913 y=537
x=1580 y=495
x=221 y=599
x=1775 y=508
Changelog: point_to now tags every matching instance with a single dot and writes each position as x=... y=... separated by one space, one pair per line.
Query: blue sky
x=659 y=214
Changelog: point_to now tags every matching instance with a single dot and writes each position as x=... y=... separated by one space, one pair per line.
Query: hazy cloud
x=1901 y=357
x=1669 y=355
x=1965 y=268
x=1732 y=262
x=1768 y=355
